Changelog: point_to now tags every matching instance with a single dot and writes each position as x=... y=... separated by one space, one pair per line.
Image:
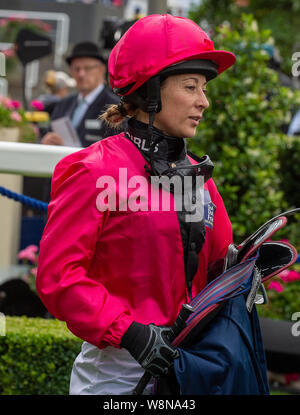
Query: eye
x=191 y=87
x=204 y=91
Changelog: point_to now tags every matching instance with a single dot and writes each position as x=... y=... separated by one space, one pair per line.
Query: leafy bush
x=282 y=17
x=283 y=293
x=290 y=170
x=36 y=357
x=242 y=129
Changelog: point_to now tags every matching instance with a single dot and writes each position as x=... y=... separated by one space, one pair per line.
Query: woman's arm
x=66 y=250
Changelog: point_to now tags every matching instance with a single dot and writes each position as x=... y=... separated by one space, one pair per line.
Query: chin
x=190 y=133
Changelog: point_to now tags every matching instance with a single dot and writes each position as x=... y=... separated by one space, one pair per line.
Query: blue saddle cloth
x=228 y=356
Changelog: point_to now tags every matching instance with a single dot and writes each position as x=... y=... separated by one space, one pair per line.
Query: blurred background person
x=88 y=68
x=58 y=85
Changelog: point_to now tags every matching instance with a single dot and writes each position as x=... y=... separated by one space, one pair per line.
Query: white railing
x=61 y=33
x=27 y=159
x=17 y=160
x=61 y=42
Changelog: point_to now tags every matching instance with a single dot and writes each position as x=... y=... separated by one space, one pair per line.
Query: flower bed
x=12 y=115
x=283 y=292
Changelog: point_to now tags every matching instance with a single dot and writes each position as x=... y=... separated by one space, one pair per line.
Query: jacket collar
x=167 y=148
x=90 y=98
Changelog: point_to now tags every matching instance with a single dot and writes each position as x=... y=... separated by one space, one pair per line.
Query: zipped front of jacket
x=170 y=152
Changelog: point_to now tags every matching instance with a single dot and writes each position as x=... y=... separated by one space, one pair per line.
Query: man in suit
x=88 y=68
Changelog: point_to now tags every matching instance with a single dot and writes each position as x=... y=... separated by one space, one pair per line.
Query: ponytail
x=115 y=114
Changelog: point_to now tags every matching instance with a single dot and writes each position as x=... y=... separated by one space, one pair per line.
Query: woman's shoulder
x=88 y=164
x=210 y=185
x=214 y=193
x=94 y=153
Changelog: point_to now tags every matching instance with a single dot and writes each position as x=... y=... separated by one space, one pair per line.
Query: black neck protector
x=166 y=147
x=162 y=152
x=166 y=155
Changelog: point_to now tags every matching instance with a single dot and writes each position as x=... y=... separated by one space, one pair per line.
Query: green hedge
x=36 y=357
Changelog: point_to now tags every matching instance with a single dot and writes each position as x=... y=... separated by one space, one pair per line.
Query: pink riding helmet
x=157 y=42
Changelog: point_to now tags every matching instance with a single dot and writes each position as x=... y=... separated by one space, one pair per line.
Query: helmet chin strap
x=150 y=102
x=204 y=167
x=153 y=143
x=153 y=105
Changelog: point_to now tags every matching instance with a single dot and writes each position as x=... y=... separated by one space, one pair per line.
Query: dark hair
x=115 y=114
x=128 y=106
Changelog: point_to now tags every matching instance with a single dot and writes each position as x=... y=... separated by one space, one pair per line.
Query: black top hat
x=85 y=50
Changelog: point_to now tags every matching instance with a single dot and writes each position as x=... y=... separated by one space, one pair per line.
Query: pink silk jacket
x=100 y=270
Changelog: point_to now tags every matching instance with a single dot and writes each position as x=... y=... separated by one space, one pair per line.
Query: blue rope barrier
x=25 y=200
x=37 y=204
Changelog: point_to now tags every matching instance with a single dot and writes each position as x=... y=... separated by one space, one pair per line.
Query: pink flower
x=289 y=275
x=29 y=253
x=34 y=271
x=291 y=377
x=32 y=248
x=16 y=104
x=14 y=115
x=38 y=105
x=44 y=26
x=47 y=27
x=17 y=18
x=3 y=22
x=276 y=286
x=7 y=103
x=9 y=52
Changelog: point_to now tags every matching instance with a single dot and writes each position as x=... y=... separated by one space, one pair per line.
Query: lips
x=195 y=120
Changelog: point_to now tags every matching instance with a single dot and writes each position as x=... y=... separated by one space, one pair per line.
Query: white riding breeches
x=108 y=371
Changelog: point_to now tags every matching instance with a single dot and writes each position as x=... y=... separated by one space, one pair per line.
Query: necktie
x=79 y=112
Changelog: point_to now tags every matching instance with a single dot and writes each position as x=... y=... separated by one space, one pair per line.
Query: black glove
x=150 y=347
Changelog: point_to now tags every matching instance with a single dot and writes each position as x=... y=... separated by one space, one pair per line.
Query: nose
x=202 y=101
x=81 y=72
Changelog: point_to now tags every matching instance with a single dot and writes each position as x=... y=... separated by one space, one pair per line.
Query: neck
x=86 y=92
x=167 y=147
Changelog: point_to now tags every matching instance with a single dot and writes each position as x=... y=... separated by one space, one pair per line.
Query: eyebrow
x=195 y=79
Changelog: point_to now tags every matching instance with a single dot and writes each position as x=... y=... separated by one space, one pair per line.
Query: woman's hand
x=150 y=347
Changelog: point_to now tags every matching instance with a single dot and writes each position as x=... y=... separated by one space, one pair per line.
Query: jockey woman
x=115 y=264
